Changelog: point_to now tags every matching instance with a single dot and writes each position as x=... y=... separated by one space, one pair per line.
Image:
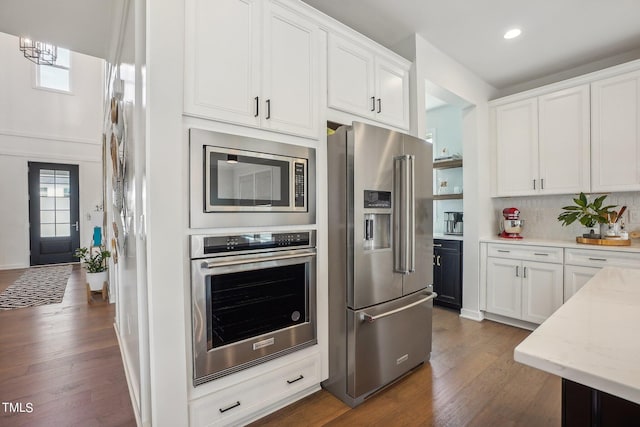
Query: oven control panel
x=208 y=245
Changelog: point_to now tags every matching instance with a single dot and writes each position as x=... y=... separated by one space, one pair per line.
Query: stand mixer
x=511 y=225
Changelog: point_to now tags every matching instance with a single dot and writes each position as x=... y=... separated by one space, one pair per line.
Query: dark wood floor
x=64 y=360
x=471 y=380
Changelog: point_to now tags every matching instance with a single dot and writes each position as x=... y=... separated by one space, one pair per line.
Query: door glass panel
x=47 y=230
x=55 y=193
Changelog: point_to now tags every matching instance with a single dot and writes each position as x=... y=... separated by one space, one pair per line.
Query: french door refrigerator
x=380 y=258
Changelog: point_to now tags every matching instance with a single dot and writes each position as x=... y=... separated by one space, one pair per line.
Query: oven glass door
x=250 y=303
x=245 y=179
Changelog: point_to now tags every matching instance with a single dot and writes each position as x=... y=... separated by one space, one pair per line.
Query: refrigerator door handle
x=371 y=318
x=401 y=214
x=411 y=208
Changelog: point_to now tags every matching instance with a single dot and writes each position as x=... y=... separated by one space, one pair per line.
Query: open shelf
x=447 y=164
x=447 y=196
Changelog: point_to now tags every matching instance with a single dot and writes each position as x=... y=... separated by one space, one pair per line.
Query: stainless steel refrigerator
x=380 y=258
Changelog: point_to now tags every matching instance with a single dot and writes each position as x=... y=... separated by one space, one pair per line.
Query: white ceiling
x=83 y=26
x=556 y=35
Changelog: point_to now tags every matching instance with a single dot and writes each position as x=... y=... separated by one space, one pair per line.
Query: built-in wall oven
x=240 y=181
x=253 y=299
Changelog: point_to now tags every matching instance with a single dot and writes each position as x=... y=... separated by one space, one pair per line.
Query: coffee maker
x=511 y=225
x=453 y=223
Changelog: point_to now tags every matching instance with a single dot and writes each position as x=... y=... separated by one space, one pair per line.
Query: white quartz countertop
x=594 y=338
x=635 y=244
x=447 y=236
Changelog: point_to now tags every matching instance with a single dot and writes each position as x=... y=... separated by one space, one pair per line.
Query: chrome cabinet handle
x=268 y=109
x=503 y=251
x=257 y=99
x=437 y=245
x=525 y=272
x=373 y=103
x=542 y=183
x=228 y=408
x=534 y=184
x=438 y=261
x=297 y=379
x=540 y=254
x=597 y=259
x=379 y=105
x=517 y=271
x=371 y=318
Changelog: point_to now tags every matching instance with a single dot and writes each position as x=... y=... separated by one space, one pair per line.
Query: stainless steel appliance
x=453 y=223
x=240 y=181
x=380 y=247
x=253 y=299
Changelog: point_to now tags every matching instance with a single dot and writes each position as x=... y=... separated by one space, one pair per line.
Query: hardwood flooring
x=471 y=380
x=62 y=359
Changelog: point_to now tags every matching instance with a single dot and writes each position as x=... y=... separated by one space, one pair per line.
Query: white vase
x=97 y=280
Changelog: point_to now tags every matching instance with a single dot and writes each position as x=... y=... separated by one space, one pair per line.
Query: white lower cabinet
x=523 y=289
x=575 y=276
x=582 y=264
x=246 y=400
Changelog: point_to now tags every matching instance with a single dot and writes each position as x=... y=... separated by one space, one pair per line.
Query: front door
x=53 y=213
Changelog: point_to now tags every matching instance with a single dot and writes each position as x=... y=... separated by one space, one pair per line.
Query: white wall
x=432 y=65
x=46 y=126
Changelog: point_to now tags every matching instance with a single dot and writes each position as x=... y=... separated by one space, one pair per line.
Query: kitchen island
x=593 y=343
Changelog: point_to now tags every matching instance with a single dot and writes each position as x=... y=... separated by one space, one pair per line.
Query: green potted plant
x=95 y=261
x=589 y=214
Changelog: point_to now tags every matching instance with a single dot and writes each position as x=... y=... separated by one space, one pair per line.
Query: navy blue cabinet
x=447 y=272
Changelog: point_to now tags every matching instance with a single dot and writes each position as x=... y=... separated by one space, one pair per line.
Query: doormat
x=37 y=286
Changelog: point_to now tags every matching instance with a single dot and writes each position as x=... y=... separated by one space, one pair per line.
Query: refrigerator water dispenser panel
x=377 y=199
x=377 y=231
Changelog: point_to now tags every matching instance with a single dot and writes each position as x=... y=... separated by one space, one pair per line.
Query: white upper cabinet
x=563 y=141
x=368 y=84
x=517 y=148
x=615 y=127
x=253 y=63
x=542 y=144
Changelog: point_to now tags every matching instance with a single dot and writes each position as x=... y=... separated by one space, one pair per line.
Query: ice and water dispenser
x=377 y=222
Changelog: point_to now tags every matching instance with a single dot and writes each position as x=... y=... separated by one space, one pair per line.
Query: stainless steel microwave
x=238 y=181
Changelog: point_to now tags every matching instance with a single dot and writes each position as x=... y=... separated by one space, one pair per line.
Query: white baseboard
x=511 y=322
x=134 y=404
x=13 y=266
x=476 y=315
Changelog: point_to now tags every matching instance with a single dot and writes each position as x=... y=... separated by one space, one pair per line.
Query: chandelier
x=38 y=52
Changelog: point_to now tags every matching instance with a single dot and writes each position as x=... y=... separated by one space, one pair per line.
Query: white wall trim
x=30 y=135
x=49 y=157
x=127 y=374
x=472 y=315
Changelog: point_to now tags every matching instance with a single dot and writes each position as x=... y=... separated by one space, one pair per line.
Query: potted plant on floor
x=589 y=214
x=95 y=261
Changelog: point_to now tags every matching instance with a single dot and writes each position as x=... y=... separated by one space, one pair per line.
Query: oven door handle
x=214 y=264
x=365 y=317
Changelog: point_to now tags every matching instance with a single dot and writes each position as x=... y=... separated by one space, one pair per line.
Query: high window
x=57 y=76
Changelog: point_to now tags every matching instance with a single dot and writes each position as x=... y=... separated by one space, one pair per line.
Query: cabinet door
x=222 y=59
x=563 y=141
x=449 y=288
x=615 y=134
x=290 y=73
x=575 y=277
x=392 y=93
x=541 y=290
x=504 y=289
x=517 y=148
x=350 y=78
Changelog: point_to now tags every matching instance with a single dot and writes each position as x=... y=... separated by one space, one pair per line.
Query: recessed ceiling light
x=512 y=33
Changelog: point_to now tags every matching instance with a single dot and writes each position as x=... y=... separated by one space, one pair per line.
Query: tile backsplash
x=541 y=214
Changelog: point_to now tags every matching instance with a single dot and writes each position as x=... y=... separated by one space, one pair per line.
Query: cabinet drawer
x=241 y=400
x=599 y=258
x=523 y=252
x=448 y=244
